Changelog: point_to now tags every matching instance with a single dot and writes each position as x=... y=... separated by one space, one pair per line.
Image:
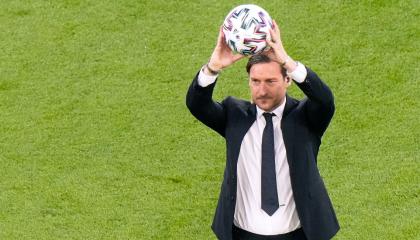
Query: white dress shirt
x=248 y=213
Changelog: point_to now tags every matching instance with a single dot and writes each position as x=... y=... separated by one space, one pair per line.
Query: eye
x=255 y=82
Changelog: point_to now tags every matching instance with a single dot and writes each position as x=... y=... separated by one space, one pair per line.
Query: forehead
x=265 y=70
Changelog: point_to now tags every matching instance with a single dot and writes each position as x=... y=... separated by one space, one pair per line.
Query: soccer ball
x=246 y=28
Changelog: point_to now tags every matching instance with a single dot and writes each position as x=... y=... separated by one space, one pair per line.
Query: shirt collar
x=278 y=111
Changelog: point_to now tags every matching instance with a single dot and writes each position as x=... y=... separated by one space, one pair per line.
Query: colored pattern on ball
x=246 y=28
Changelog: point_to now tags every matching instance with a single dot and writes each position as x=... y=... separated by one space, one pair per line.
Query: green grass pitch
x=96 y=141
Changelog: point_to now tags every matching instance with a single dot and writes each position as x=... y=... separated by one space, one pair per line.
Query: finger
x=237 y=57
x=274 y=37
x=274 y=23
x=272 y=33
x=220 y=38
x=221 y=30
x=276 y=27
x=270 y=42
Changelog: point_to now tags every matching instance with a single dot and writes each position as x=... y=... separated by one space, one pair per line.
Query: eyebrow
x=268 y=79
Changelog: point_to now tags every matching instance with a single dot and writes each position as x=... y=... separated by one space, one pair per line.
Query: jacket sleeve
x=200 y=103
x=319 y=105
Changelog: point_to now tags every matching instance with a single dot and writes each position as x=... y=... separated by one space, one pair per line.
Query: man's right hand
x=222 y=55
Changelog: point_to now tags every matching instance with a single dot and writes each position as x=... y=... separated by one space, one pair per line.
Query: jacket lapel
x=242 y=127
x=288 y=130
x=243 y=123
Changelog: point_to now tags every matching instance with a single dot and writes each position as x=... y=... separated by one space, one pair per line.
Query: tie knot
x=268 y=116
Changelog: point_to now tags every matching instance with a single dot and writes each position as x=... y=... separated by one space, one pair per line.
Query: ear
x=288 y=80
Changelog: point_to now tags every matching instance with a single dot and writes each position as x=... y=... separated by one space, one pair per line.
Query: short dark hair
x=262 y=58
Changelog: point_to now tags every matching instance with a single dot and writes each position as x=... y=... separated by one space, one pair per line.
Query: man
x=271 y=187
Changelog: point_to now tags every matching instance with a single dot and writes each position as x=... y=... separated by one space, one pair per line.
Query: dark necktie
x=269 y=198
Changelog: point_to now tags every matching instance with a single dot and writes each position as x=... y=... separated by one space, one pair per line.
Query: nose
x=262 y=89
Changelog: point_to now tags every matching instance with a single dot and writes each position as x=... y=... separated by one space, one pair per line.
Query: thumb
x=237 y=57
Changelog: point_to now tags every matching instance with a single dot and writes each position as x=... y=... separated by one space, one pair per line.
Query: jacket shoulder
x=233 y=104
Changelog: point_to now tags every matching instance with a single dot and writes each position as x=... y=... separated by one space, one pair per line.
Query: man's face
x=268 y=86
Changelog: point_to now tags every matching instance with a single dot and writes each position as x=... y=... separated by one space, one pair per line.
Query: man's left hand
x=277 y=51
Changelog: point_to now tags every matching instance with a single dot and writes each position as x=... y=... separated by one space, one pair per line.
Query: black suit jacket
x=303 y=124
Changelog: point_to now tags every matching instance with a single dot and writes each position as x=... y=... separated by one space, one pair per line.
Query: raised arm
x=222 y=56
x=319 y=105
x=199 y=97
